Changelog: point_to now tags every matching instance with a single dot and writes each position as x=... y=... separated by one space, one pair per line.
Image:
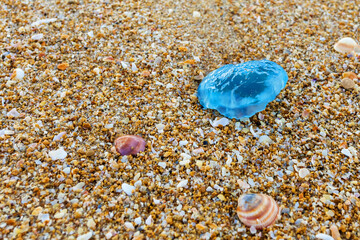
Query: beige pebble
x=347 y=83
x=91 y=223
x=37 y=211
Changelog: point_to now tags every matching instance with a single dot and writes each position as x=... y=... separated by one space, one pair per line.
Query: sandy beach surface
x=77 y=74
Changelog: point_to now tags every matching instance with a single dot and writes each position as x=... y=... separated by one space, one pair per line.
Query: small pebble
x=304 y=172
x=324 y=236
x=182 y=183
x=128 y=189
x=196 y=14
x=85 y=236
x=58 y=154
x=37 y=37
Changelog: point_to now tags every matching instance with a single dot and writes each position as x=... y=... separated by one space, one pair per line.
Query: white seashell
x=223 y=122
x=347 y=45
x=257 y=210
x=324 y=236
x=18 y=74
x=37 y=37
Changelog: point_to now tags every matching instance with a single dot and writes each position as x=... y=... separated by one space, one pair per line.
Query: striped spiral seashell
x=347 y=45
x=129 y=144
x=257 y=210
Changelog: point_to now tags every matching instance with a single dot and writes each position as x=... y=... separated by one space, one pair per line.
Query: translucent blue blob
x=241 y=90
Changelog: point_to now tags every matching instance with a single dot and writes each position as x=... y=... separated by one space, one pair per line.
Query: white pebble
x=110 y=233
x=44 y=217
x=304 y=172
x=265 y=139
x=133 y=67
x=58 y=154
x=85 y=236
x=346 y=152
x=96 y=71
x=47 y=20
x=66 y=170
x=160 y=127
x=183 y=143
x=129 y=226
x=182 y=183
x=138 y=220
x=60 y=214
x=91 y=223
x=149 y=220
x=128 y=189
x=37 y=37
x=59 y=136
x=18 y=74
x=223 y=122
x=324 y=236
x=162 y=164
x=79 y=186
x=13 y=113
x=196 y=14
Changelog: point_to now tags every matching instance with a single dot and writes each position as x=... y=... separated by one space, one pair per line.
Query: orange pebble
x=63 y=66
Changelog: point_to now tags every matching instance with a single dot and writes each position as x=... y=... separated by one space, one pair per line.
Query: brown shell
x=257 y=210
x=129 y=144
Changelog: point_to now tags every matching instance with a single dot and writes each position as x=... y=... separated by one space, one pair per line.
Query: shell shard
x=347 y=45
x=129 y=145
x=257 y=210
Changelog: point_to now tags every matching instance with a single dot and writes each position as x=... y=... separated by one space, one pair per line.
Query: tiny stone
x=196 y=14
x=138 y=220
x=129 y=226
x=149 y=220
x=66 y=170
x=324 y=236
x=346 y=152
x=91 y=223
x=13 y=113
x=58 y=154
x=265 y=139
x=85 y=236
x=182 y=183
x=60 y=214
x=304 y=172
x=37 y=211
x=37 y=37
x=128 y=189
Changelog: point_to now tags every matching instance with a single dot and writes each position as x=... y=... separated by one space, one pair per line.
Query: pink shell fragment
x=129 y=145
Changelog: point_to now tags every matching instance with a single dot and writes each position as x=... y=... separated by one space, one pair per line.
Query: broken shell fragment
x=129 y=145
x=347 y=45
x=347 y=83
x=257 y=210
x=350 y=75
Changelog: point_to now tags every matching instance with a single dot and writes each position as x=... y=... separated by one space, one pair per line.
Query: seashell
x=257 y=210
x=347 y=83
x=347 y=45
x=350 y=75
x=129 y=145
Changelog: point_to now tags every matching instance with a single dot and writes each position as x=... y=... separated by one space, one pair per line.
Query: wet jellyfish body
x=239 y=91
